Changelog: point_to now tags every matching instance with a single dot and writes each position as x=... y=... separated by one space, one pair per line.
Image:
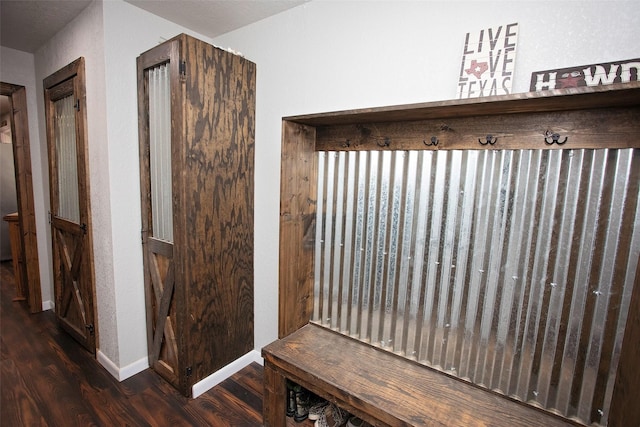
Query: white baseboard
x=198 y=388
x=225 y=372
x=125 y=372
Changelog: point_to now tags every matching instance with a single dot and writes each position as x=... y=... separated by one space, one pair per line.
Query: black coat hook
x=434 y=142
x=489 y=140
x=346 y=144
x=385 y=143
x=555 y=138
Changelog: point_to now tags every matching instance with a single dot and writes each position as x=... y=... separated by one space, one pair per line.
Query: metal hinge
x=90 y=329
x=189 y=371
x=77 y=105
x=183 y=70
x=84 y=228
x=49 y=213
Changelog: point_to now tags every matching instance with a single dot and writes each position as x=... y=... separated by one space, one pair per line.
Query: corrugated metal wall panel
x=66 y=158
x=510 y=269
x=160 y=152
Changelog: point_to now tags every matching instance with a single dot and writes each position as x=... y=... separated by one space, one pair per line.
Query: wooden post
x=274 y=399
x=297 y=215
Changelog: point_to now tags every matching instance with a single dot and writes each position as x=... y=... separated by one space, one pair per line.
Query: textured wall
x=322 y=56
x=17 y=68
x=84 y=37
x=334 y=55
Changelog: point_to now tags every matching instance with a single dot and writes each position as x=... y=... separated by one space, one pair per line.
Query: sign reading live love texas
x=586 y=75
x=488 y=62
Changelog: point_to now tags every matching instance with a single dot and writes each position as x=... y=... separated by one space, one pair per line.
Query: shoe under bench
x=382 y=388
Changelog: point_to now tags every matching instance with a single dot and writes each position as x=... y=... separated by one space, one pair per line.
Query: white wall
x=84 y=37
x=129 y=31
x=322 y=56
x=334 y=55
x=18 y=68
x=109 y=35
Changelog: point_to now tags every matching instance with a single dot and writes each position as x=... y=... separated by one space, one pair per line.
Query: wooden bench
x=382 y=388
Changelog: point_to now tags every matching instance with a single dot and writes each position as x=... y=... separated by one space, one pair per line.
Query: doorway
x=18 y=129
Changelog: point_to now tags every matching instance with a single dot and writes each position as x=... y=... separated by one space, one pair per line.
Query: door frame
x=24 y=191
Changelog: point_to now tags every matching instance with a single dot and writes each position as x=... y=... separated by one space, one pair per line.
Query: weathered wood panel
x=275 y=392
x=597 y=128
x=215 y=219
x=162 y=344
x=212 y=162
x=297 y=215
x=385 y=389
x=77 y=272
x=583 y=98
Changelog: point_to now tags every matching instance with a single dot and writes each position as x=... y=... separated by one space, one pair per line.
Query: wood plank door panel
x=163 y=351
x=71 y=307
x=70 y=215
x=159 y=104
x=196 y=109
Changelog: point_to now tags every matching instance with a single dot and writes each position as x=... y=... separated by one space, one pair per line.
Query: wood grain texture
x=158 y=255
x=582 y=98
x=17 y=256
x=599 y=117
x=47 y=379
x=274 y=397
x=163 y=352
x=212 y=158
x=24 y=191
x=216 y=224
x=73 y=266
x=595 y=128
x=385 y=389
x=297 y=215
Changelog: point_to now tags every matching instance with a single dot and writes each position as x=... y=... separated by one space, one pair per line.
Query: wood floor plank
x=251 y=377
x=244 y=396
x=47 y=379
x=18 y=407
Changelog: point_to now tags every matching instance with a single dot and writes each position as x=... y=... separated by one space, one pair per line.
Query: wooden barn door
x=64 y=94
x=157 y=81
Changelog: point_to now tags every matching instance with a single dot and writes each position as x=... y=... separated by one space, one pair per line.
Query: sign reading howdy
x=586 y=75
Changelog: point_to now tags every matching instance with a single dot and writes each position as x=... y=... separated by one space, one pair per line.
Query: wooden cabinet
x=196 y=119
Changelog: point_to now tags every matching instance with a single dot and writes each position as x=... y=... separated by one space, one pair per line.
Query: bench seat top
x=384 y=388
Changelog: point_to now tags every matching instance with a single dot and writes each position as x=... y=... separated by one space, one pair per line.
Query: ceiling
x=27 y=24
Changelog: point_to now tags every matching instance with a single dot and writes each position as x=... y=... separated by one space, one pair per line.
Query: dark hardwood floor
x=47 y=379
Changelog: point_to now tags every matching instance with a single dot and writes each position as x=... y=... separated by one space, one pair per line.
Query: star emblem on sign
x=477 y=68
x=570 y=80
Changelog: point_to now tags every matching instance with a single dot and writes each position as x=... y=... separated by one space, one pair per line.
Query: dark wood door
x=24 y=190
x=158 y=96
x=70 y=208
